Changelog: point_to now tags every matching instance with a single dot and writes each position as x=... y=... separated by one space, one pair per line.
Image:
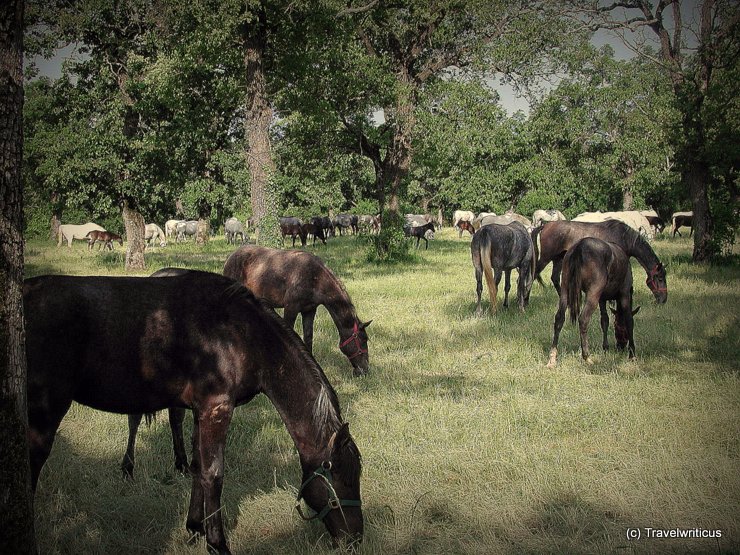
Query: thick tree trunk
x=16 y=497
x=259 y=149
x=203 y=234
x=697 y=177
x=56 y=217
x=135 y=243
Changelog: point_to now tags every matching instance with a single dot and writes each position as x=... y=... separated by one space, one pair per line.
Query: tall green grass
x=470 y=444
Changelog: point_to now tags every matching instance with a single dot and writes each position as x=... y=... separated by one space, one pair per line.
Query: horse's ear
x=636 y=310
x=366 y=324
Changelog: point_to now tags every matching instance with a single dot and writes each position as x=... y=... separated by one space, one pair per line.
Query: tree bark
x=135 y=244
x=56 y=217
x=16 y=497
x=257 y=125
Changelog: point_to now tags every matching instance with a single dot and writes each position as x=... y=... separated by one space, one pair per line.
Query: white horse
x=632 y=218
x=170 y=227
x=154 y=232
x=69 y=232
x=541 y=216
x=461 y=216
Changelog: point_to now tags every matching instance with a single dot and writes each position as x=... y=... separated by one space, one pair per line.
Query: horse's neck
x=306 y=405
x=644 y=254
x=338 y=304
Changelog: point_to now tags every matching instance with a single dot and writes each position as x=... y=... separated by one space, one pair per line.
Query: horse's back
x=130 y=344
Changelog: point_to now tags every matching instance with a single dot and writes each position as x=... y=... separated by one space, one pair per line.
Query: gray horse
x=232 y=228
x=186 y=229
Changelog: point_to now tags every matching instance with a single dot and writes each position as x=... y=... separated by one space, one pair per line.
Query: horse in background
x=292 y=226
x=81 y=349
x=556 y=238
x=602 y=271
x=299 y=282
x=461 y=216
x=232 y=228
x=152 y=232
x=655 y=221
x=315 y=230
x=499 y=248
x=632 y=218
x=420 y=232
x=679 y=219
x=106 y=239
x=185 y=229
x=541 y=216
x=465 y=225
x=70 y=232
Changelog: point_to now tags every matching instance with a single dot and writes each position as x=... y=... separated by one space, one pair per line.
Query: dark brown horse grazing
x=138 y=345
x=499 y=248
x=106 y=239
x=556 y=238
x=602 y=271
x=299 y=282
x=293 y=227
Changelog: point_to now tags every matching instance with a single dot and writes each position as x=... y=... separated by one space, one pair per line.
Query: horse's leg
x=289 y=315
x=583 y=320
x=214 y=422
x=177 y=415
x=558 y=325
x=426 y=244
x=308 y=317
x=194 y=521
x=521 y=294
x=604 y=324
x=44 y=417
x=127 y=464
x=629 y=322
x=507 y=287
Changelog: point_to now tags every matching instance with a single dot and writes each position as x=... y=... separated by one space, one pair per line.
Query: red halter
x=355 y=336
x=651 y=281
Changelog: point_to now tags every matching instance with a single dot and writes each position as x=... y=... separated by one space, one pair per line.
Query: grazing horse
x=556 y=238
x=602 y=271
x=152 y=232
x=198 y=341
x=170 y=228
x=186 y=229
x=299 y=281
x=420 y=232
x=232 y=228
x=347 y=222
x=315 y=228
x=632 y=218
x=70 y=232
x=496 y=248
x=679 y=219
x=368 y=222
x=106 y=239
x=293 y=227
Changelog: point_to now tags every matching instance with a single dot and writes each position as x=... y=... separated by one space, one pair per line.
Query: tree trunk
x=203 y=234
x=56 y=217
x=16 y=497
x=259 y=150
x=135 y=243
x=697 y=177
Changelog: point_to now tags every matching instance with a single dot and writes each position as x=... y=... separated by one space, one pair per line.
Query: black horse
x=293 y=227
x=499 y=248
x=315 y=228
x=556 y=238
x=420 y=232
x=601 y=270
x=198 y=341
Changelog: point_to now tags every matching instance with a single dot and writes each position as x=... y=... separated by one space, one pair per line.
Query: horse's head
x=657 y=283
x=354 y=348
x=332 y=490
x=621 y=334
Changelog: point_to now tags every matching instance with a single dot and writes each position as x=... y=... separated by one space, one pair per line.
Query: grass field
x=470 y=445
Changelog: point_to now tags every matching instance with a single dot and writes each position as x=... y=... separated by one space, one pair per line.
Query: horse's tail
x=535 y=274
x=572 y=273
x=485 y=254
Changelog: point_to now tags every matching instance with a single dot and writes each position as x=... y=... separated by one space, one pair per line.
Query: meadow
x=469 y=444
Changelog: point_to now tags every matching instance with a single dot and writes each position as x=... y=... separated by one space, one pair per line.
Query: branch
x=349 y=10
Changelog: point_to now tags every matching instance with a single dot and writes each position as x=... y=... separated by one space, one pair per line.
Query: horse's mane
x=340 y=286
x=624 y=234
x=326 y=413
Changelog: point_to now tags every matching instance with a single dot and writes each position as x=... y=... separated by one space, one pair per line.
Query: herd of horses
x=206 y=342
